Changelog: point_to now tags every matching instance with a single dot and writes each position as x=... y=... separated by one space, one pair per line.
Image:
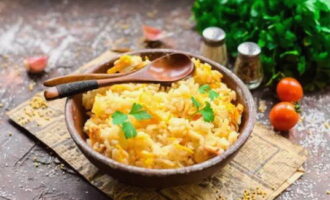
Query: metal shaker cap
x=249 y=49
x=214 y=35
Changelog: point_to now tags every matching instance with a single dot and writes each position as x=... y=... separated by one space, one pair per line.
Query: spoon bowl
x=171 y=68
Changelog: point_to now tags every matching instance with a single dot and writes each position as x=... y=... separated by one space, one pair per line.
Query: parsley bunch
x=121 y=119
x=294 y=34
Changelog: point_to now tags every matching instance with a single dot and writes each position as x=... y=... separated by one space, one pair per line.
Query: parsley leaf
x=119 y=117
x=141 y=115
x=129 y=130
x=207 y=89
x=204 y=89
x=195 y=103
x=207 y=113
x=135 y=108
x=213 y=94
x=138 y=113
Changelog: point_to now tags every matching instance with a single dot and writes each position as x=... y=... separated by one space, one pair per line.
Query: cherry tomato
x=283 y=116
x=289 y=89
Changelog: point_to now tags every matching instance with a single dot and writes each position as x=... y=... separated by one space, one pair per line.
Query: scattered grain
x=62 y=167
x=152 y=13
x=23 y=120
x=36 y=111
x=38 y=102
x=262 y=106
x=32 y=85
x=253 y=194
x=124 y=26
x=36 y=164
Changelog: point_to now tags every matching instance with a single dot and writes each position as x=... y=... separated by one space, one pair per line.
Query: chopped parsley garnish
x=195 y=103
x=121 y=119
x=206 y=112
x=207 y=89
x=204 y=89
x=213 y=94
x=138 y=113
x=129 y=130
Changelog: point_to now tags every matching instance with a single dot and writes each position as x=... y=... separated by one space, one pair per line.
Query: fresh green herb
x=138 y=113
x=207 y=89
x=121 y=119
x=204 y=88
x=207 y=113
x=213 y=95
x=195 y=103
x=129 y=130
x=294 y=34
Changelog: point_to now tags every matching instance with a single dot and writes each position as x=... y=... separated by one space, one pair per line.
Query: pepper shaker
x=248 y=65
x=214 y=46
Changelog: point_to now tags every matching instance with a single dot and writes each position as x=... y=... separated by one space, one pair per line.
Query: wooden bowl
x=75 y=116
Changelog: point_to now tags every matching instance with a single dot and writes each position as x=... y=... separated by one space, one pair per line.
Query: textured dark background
x=74 y=32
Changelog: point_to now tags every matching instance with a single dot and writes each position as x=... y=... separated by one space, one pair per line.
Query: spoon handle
x=79 y=77
x=69 y=89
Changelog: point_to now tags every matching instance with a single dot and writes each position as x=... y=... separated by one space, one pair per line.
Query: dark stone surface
x=74 y=32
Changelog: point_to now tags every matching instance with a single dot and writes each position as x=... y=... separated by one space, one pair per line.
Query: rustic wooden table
x=72 y=33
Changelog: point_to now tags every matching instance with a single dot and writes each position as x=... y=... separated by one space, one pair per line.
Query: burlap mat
x=265 y=166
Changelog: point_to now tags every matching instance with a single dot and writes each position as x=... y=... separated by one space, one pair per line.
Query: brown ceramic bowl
x=75 y=116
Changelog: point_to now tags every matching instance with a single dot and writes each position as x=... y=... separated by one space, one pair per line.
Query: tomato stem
x=297 y=107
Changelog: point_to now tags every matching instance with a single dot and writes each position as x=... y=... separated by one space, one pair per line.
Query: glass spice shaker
x=214 y=46
x=248 y=65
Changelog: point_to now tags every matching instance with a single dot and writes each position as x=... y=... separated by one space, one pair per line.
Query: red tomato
x=289 y=89
x=283 y=116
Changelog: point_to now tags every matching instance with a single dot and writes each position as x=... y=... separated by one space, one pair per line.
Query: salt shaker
x=214 y=46
x=248 y=65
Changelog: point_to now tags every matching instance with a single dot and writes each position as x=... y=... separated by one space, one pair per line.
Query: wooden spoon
x=166 y=69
